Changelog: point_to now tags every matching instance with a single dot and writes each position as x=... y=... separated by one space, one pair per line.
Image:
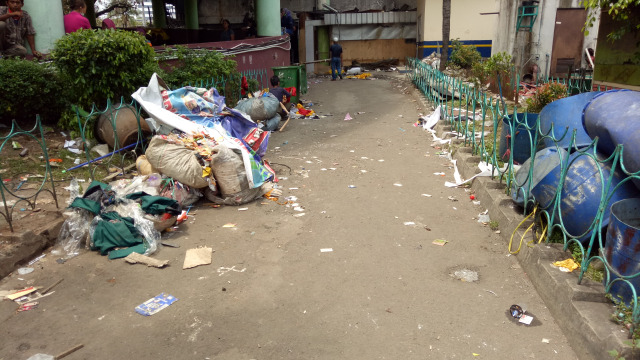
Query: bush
x=104 y=64
x=30 y=88
x=464 y=56
x=544 y=95
x=195 y=65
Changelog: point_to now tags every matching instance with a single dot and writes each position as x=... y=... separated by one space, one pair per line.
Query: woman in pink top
x=75 y=20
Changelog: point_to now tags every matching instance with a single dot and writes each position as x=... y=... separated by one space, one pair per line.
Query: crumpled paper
x=566 y=265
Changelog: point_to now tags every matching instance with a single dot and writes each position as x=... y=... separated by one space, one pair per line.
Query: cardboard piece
x=197 y=257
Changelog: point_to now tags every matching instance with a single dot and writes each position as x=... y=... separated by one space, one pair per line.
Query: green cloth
x=87 y=204
x=115 y=231
x=156 y=205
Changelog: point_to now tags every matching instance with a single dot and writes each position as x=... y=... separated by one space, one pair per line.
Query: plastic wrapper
x=184 y=195
x=259 y=108
x=73 y=233
x=74 y=190
x=146 y=183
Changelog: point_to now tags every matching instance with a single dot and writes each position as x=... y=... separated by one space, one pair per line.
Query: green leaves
x=464 y=55
x=544 y=95
x=109 y=64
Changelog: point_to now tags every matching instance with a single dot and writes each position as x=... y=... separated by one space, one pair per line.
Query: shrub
x=195 y=65
x=544 y=95
x=464 y=56
x=30 y=88
x=104 y=64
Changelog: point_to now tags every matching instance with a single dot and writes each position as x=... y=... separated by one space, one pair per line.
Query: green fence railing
x=481 y=121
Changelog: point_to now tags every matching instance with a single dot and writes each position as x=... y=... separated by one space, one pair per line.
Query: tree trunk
x=446 y=29
x=91 y=12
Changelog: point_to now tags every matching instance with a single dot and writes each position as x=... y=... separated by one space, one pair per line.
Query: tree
x=626 y=12
x=446 y=30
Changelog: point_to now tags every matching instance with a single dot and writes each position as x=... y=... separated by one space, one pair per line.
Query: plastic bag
x=73 y=233
x=74 y=190
x=146 y=227
x=229 y=171
x=125 y=187
x=176 y=161
x=259 y=108
x=184 y=195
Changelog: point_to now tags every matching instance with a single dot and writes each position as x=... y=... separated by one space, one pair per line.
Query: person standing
x=15 y=26
x=227 y=33
x=336 y=59
x=75 y=20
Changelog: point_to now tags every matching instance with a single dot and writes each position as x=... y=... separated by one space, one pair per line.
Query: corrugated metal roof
x=388 y=17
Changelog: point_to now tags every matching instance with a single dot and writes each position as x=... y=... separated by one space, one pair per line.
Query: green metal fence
x=481 y=120
x=13 y=190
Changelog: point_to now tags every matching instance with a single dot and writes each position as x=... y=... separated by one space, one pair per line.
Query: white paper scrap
x=326 y=250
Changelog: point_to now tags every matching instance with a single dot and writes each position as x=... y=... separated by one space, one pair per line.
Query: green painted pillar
x=268 y=17
x=159 y=14
x=191 y=14
x=323 y=42
x=47 y=19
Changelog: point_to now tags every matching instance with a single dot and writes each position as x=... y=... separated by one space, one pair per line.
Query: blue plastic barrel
x=545 y=161
x=614 y=117
x=523 y=137
x=566 y=115
x=582 y=192
x=622 y=247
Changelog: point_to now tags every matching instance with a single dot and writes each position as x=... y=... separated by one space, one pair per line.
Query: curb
x=24 y=244
x=581 y=311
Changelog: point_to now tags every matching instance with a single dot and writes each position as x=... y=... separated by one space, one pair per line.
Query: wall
x=210 y=12
x=467 y=24
x=535 y=46
x=365 y=51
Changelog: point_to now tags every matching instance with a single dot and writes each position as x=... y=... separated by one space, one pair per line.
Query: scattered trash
x=427 y=195
x=223 y=270
x=519 y=313
x=348 y=117
x=472 y=197
x=229 y=225
x=36 y=259
x=16 y=145
x=397 y=184
x=440 y=242
x=326 y=250
x=135 y=258
x=21 y=293
x=489 y=291
x=409 y=223
x=452 y=198
x=24 y=152
x=243 y=209
x=197 y=257
x=566 y=265
x=28 y=306
x=439 y=173
x=476 y=202
x=171 y=245
x=154 y=305
x=299 y=215
x=484 y=217
x=466 y=275
x=546 y=341
x=351 y=186
x=25 y=270
x=42 y=357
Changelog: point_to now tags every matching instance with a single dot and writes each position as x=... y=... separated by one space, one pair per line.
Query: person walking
x=336 y=59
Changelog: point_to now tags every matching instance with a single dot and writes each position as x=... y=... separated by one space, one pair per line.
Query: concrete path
x=384 y=291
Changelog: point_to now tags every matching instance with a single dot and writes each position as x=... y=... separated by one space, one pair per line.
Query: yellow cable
x=525 y=233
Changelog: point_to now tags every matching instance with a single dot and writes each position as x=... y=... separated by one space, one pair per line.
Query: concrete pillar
x=159 y=14
x=268 y=17
x=47 y=18
x=191 y=14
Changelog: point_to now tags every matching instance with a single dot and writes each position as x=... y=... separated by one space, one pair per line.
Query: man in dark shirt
x=279 y=93
x=336 y=59
x=15 y=26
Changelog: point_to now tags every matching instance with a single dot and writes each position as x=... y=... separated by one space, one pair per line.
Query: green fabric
x=115 y=231
x=86 y=204
x=120 y=253
x=155 y=205
x=96 y=183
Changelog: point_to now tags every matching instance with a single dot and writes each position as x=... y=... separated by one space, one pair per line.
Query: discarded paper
x=197 y=257
x=155 y=304
x=135 y=258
